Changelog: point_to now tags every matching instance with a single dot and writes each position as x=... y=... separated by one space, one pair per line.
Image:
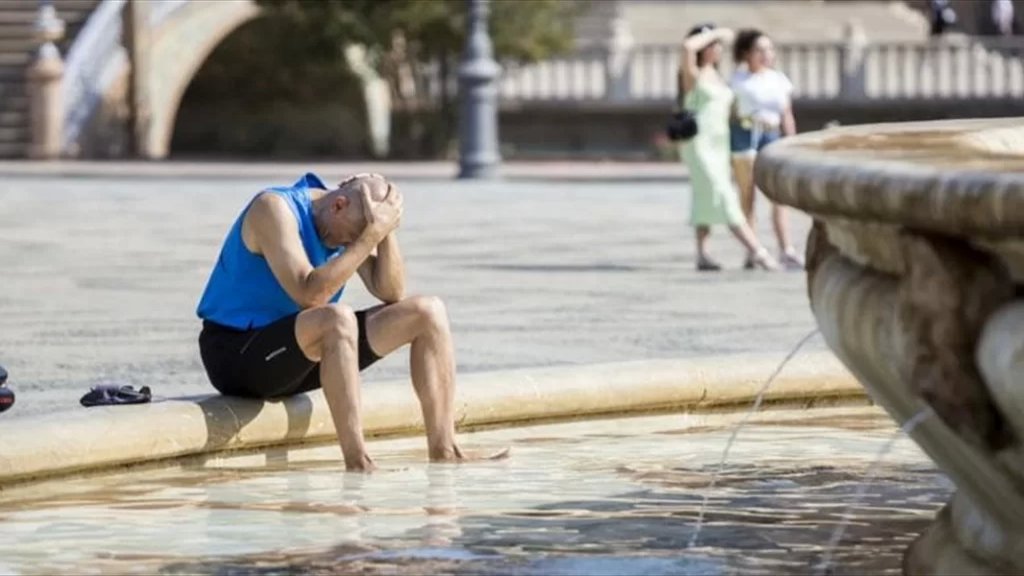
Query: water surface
x=602 y=497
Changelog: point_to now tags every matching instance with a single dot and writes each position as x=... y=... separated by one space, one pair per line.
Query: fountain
x=915 y=272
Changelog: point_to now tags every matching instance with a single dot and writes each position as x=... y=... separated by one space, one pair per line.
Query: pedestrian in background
x=943 y=17
x=762 y=114
x=706 y=154
x=1003 y=17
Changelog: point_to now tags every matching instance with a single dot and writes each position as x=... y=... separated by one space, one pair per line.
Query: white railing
x=92 y=64
x=977 y=68
x=974 y=69
x=97 y=58
x=579 y=77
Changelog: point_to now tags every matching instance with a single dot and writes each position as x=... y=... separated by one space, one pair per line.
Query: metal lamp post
x=478 y=95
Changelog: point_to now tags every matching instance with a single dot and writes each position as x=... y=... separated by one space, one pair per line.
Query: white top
x=763 y=96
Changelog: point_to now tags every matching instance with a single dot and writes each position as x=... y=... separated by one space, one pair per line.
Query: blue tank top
x=242 y=292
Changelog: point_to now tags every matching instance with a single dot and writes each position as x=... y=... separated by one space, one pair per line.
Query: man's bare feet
x=455 y=454
x=364 y=465
x=502 y=454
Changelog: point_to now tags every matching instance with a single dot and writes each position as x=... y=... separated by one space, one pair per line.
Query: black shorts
x=266 y=362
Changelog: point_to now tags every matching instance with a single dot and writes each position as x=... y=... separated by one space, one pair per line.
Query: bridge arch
x=178 y=48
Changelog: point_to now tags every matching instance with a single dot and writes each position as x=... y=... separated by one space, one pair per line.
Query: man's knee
x=430 y=310
x=338 y=323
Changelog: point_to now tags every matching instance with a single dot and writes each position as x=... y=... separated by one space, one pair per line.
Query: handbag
x=681 y=126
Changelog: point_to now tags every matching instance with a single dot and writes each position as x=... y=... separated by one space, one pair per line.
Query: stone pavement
x=99 y=275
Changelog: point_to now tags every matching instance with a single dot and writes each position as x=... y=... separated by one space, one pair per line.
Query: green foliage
x=522 y=30
x=266 y=61
x=532 y=30
x=259 y=89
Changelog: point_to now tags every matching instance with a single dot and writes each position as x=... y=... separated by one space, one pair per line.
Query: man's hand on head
x=362 y=176
x=382 y=216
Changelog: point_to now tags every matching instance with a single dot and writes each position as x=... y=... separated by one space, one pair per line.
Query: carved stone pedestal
x=916 y=279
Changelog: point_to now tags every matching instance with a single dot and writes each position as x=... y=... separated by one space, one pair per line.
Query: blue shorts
x=750 y=140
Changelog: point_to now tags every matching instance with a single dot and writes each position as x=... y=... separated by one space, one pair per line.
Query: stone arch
x=177 y=50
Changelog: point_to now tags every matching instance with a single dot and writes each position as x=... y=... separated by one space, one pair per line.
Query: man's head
x=341 y=216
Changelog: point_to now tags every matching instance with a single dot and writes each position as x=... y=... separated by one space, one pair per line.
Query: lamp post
x=478 y=95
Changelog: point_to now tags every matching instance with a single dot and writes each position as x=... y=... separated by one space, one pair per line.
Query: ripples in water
x=607 y=497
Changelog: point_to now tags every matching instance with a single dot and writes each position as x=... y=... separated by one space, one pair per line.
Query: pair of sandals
x=115 y=395
x=761 y=259
x=788 y=260
x=104 y=395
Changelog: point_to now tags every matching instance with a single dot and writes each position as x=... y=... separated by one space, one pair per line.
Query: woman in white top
x=763 y=113
x=708 y=98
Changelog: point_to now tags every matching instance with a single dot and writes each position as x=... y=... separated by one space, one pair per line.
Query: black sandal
x=708 y=265
x=114 y=395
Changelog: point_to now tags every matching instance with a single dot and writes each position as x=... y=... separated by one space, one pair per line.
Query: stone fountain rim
x=952 y=198
x=96 y=439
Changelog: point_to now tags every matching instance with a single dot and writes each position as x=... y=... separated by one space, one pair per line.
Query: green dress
x=707 y=154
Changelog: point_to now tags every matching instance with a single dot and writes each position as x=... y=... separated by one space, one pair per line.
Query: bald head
x=375 y=184
x=343 y=215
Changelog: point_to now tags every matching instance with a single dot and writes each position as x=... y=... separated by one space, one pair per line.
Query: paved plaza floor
x=100 y=273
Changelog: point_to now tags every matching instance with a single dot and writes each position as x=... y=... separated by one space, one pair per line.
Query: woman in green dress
x=706 y=155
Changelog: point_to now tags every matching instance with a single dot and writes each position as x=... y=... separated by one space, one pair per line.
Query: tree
x=290 y=62
x=404 y=36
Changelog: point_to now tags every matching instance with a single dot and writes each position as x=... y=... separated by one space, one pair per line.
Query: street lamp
x=478 y=96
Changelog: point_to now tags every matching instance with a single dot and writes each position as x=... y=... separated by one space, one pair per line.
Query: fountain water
x=735 y=432
x=869 y=475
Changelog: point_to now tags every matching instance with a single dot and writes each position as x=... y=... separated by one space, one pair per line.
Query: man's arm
x=274 y=233
x=688 y=69
x=384 y=274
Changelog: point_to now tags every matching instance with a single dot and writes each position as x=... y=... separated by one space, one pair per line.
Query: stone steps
x=17 y=47
x=15 y=58
x=11 y=119
x=12 y=74
x=14 y=134
x=13 y=150
x=667 y=22
x=15 y=17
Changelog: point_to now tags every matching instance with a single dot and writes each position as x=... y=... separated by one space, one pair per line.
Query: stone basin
x=915 y=268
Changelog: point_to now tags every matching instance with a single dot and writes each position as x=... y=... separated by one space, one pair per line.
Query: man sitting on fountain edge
x=272 y=324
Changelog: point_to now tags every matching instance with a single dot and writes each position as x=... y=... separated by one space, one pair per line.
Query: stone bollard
x=852 y=62
x=46 y=107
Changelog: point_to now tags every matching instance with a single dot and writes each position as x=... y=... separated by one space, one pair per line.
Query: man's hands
x=382 y=217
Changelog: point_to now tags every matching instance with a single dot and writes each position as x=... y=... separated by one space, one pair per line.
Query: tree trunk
x=445 y=115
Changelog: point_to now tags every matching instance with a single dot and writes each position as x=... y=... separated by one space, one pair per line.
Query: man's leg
x=329 y=335
x=423 y=322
